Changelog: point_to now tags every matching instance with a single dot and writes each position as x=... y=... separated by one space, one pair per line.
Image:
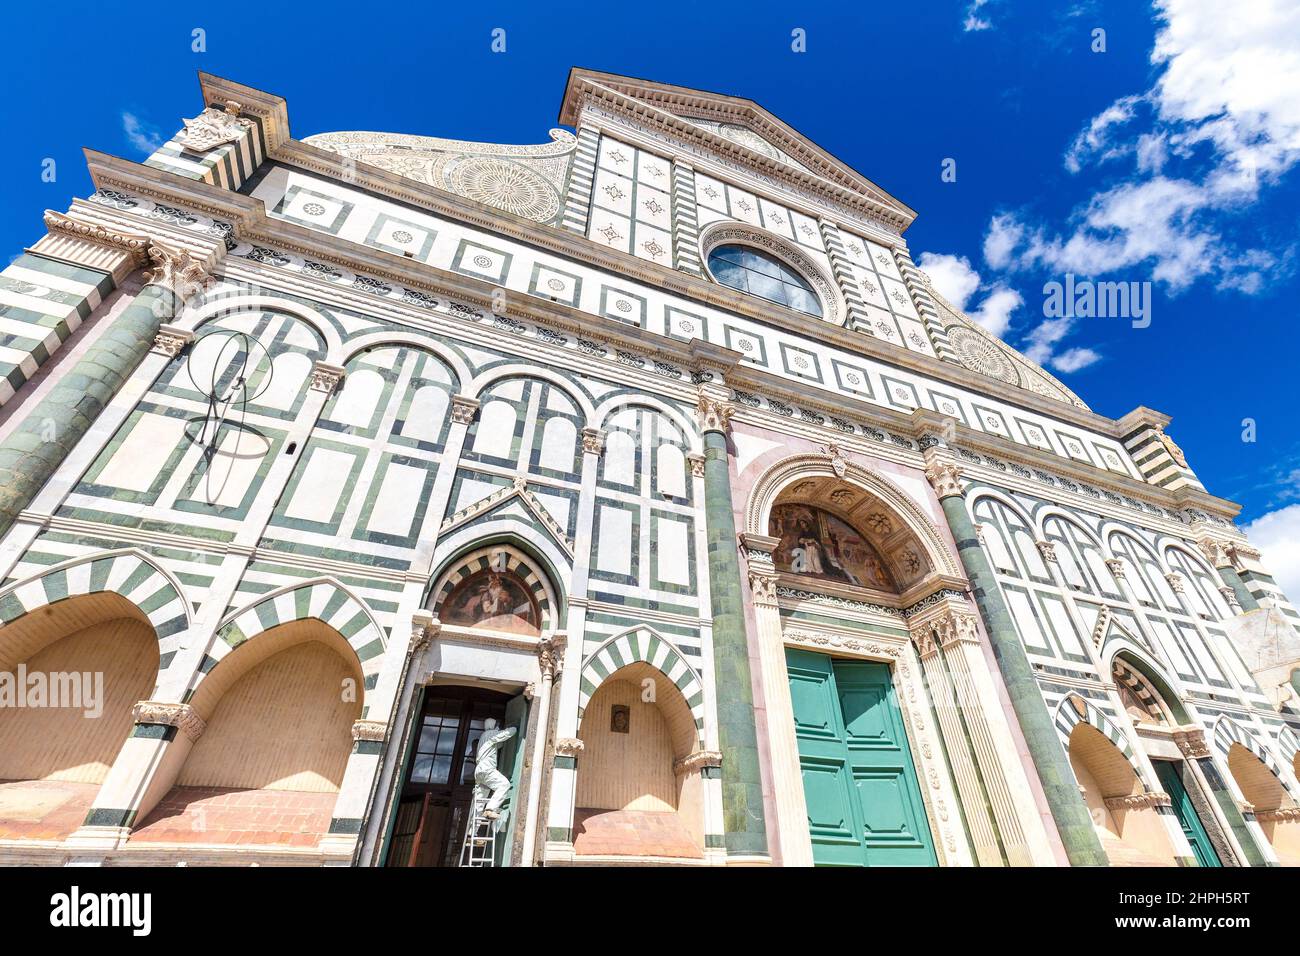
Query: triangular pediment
x=516 y=500
x=735 y=125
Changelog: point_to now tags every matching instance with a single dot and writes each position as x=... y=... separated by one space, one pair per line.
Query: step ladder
x=480 y=847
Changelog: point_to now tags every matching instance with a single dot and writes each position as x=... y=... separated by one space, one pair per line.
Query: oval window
x=757 y=273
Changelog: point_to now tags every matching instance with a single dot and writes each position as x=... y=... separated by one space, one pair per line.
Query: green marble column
x=742 y=791
x=1073 y=821
x=50 y=429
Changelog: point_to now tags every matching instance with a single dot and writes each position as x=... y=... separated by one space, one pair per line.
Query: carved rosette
x=694 y=762
x=944 y=477
x=1138 y=801
x=175 y=269
x=715 y=408
x=212 y=128
x=1048 y=550
x=1191 y=743
x=372 y=730
x=326 y=378
x=171 y=341
x=463 y=409
x=180 y=716
x=593 y=441
x=696 y=461
x=569 y=747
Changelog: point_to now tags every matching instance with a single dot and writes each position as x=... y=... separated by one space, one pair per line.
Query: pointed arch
x=323 y=599
x=128 y=572
x=1074 y=709
x=643 y=644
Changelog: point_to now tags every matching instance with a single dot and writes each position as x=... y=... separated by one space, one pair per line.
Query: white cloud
x=994 y=313
x=1277 y=535
x=141 y=135
x=974 y=22
x=1221 y=121
x=951 y=275
x=1071 y=360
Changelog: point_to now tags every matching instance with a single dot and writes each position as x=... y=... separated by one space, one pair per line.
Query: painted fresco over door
x=864 y=803
x=1171 y=779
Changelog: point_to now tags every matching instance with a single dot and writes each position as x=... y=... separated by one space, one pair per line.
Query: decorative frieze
x=694 y=762
x=134 y=244
x=181 y=716
x=371 y=730
x=1138 y=801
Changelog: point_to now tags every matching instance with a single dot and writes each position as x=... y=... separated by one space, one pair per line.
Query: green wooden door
x=864 y=804
x=1172 y=780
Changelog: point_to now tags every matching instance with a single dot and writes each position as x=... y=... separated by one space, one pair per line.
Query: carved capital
x=326 y=378
x=180 y=716
x=697 y=761
x=923 y=639
x=1175 y=581
x=714 y=408
x=463 y=409
x=1116 y=566
x=593 y=441
x=696 y=461
x=1217 y=551
x=1230 y=597
x=171 y=340
x=569 y=747
x=424 y=629
x=212 y=128
x=762 y=585
x=550 y=654
x=373 y=730
x=944 y=476
x=1138 y=801
x=956 y=628
x=1191 y=743
x=1048 y=550
x=176 y=270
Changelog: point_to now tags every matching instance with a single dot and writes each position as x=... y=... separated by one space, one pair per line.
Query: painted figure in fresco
x=815 y=542
x=493 y=600
x=490 y=782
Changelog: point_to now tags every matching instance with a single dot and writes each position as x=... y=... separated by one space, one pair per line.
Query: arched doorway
x=266 y=771
x=864 y=801
x=1275 y=809
x=635 y=797
x=1124 y=817
x=70 y=674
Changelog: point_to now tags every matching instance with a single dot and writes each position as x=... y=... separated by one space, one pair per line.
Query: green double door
x=864 y=804
x=1172 y=780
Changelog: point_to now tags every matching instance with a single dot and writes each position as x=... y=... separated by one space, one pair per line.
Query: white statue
x=488 y=780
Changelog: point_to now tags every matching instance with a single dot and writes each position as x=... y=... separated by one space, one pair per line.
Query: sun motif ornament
x=503 y=185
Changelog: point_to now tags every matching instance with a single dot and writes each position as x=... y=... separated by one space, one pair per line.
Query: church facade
x=642 y=469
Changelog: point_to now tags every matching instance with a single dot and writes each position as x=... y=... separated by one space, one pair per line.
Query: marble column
x=1073 y=822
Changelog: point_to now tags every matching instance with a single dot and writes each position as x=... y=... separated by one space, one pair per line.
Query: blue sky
x=1166 y=158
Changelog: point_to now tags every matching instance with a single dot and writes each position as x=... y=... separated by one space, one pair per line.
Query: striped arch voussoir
x=1228 y=732
x=515 y=563
x=130 y=574
x=1068 y=716
x=648 y=646
x=324 y=601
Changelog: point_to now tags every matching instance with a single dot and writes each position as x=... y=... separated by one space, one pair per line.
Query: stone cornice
x=250 y=218
x=181 y=716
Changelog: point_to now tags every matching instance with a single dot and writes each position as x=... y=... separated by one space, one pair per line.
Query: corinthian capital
x=593 y=441
x=175 y=269
x=762 y=584
x=714 y=409
x=943 y=475
x=550 y=654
